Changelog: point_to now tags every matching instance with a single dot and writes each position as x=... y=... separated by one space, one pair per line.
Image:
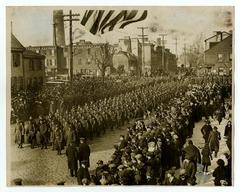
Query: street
x=45 y=167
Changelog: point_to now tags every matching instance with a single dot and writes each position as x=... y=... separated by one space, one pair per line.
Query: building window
x=89 y=51
x=53 y=51
x=79 y=62
x=20 y=80
x=40 y=80
x=40 y=64
x=14 y=82
x=16 y=59
x=220 y=57
x=88 y=61
x=230 y=57
x=53 y=62
x=31 y=65
x=29 y=82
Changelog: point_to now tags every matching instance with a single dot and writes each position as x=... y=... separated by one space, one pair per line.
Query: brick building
x=151 y=63
x=84 y=58
x=127 y=61
x=218 y=57
x=54 y=58
x=27 y=67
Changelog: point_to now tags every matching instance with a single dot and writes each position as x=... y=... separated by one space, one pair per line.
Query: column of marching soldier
x=176 y=105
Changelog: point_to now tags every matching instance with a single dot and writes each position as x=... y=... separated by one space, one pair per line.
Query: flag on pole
x=101 y=21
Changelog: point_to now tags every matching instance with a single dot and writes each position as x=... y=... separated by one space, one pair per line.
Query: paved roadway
x=44 y=167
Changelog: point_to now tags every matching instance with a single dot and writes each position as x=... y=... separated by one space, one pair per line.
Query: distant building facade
x=151 y=62
x=54 y=58
x=27 y=67
x=218 y=57
x=85 y=56
x=125 y=61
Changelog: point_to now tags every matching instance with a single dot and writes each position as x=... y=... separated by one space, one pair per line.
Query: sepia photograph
x=120 y=95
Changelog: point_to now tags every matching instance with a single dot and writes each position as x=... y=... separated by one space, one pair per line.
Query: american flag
x=101 y=21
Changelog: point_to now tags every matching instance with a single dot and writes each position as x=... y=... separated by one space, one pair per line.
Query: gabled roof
x=15 y=44
x=32 y=54
x=218 y=43
x=128 y=54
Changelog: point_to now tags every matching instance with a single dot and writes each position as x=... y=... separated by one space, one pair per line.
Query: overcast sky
x=33 y=25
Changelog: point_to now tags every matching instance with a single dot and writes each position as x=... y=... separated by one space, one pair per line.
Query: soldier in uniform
x=32 y=133
x=43 y=134
x=58 y=140
x=19 y=133
x=84 y=152
x=70 y=135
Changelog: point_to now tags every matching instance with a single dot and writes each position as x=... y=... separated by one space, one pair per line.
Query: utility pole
x=56 y=48
x=143 y=36
x=163 y=49
x=11 y=27
x=71 y=19
x=185 y=56
x=176 y=44
x=176 y=50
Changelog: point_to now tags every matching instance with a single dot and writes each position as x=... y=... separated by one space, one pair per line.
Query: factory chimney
x=58 y=32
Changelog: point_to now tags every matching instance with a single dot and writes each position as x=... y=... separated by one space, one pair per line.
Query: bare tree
x=104 y=58
x=195 y=53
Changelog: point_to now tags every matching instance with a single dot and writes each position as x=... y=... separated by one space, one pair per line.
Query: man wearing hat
x=32 y=132
x=213 y=140
x=206 y=129
x=43 y=133
x=100 y=169
x=84 y=151
x=191 y=152
x=83 y=172
x=170 y=179
x=123 y=142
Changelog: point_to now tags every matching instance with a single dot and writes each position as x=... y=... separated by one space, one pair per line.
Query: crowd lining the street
x=155 y=150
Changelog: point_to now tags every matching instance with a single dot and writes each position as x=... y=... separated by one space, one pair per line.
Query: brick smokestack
x=59 y=28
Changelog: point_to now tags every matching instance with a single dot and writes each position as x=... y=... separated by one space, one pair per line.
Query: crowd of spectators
x=154 y=147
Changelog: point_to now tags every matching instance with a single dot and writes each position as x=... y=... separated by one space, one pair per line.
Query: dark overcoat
x=82 y=173
x=213 y=140
x=206 y=155
x=72 y=157
x=84 y=152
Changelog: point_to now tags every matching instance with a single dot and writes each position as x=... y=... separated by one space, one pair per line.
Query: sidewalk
x=207 y=180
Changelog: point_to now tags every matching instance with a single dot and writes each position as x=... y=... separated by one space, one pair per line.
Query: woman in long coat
x=19 y=134
x=206 y=157
x=213 y=140
x=72 y=157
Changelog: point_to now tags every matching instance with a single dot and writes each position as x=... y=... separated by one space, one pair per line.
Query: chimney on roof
x=219 y=34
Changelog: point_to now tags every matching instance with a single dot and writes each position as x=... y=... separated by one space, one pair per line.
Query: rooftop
x=15 y=44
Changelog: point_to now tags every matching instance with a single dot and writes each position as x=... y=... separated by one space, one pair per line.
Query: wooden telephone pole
x=143 y=38
x=71 y=19
x=163 y=49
